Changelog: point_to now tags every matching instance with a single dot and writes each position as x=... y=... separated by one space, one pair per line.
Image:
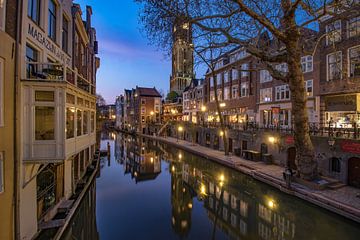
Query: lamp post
x=180 y=129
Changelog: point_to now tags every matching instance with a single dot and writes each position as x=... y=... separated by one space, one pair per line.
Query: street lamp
x=180 y=129
x=203 y=110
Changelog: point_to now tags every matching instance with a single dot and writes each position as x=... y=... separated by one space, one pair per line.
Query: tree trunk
x=305 y=156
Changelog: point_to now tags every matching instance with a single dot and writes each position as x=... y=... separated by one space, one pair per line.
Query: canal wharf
x=344 y=201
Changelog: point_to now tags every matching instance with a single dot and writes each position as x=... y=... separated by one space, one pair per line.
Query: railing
x=36 y=71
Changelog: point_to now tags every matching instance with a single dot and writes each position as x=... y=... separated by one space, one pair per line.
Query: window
x=282 y=68
x=226 y=93
x=354 y=27
x=235 y=74
x=265 y=95
x=265 y=76
x=52 y=20
x=245 y=68
x=92 y=122
x=143 y=101
x=219 y=94
x=2 y=105
x=243 y=208
x=34 y=10
x=354 y=60
x=244 y=89
x=79 y=123
x=85 y=122
x=284 y=117
x=282 y=92
x=143 y=110
x=212 y=96
x=333 y=32
x=335 y=165
x=334 y=66
x=309 y=88
x=307 y=63
x=31 y=56
x=219 y=79
x=44 y=123
x=2 y=14
x=44 y=96
x=234 y=92
x=70 y=122
x=65 y=34
x=211 y=82
x=70 y=98
x=226 y=77
x=2 y=172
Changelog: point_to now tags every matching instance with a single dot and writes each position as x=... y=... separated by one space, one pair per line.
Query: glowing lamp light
x=190 y=205
x=271 y=204
x=203 y=189
x=180 y=128
x=221 y=133
x=222 y=104
x=222 y=178
x=203 y=108
x=272 y=140
x=151 y=159
x=152 y=113
x=180 y=156
x=173 y=169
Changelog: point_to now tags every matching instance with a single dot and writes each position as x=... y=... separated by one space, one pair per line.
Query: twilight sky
x=127 y=59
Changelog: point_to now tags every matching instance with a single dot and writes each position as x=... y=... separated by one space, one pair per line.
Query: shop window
x=86 y=122
x=44 y=123
x=65 y=35
x=244 y=89
x=334 y=66
x=2 y=14
x=333 y=32
x=335 y=165
x=31 y=56
x=2 y=172
x=309 y=88
x=282 y=92
x=354 y=60
x=265 y=95
x=265 y=76
x=34 y=10
x=2 y=97
x=79 y=123
x=307 y=63
x=52 y=20
x=70 y=122
x=234 y=92
x=354 y=26
x=245 y=70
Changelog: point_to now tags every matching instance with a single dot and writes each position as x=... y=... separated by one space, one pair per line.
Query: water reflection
x=155 y=191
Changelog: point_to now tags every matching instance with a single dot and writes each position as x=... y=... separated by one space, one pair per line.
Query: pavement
x=344 y=201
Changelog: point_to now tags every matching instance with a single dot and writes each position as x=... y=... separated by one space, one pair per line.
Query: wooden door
x=230 y=145
x=291 y=156
x=354 y=172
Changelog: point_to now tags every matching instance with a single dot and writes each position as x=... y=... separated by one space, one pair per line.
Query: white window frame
x=234 y=91
x=245 y=87
x=349 y=64
x=282 y=68
x=265 y=76
x=245 y=66
x=226 y=77
x=235 y=74
x=2 y=178
x=2 y=14
x=307 y=85
x=327 y=65
x=305 y=60
x=333 y=30
x=265 y=90
x=282 y=89
x=2 y=97
x=227 y=95
x=211 y=82
x=218 y=79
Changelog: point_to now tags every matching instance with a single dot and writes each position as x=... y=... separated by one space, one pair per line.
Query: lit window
x=265 y=95
x=86 y=122
x=307 y=63
x=34 y=10
x=309 y=88
x=212 y=96
x=52 y=20
x=44 y=123
x=265 y=76
x=354 y=59
x=70 y=122
x=2 y=14
x=354 y=27
x=282 y=92
x=334 y=66
x=333 y=32
x=244 y=89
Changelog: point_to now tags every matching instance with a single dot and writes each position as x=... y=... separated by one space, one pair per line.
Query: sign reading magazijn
x=42 y=39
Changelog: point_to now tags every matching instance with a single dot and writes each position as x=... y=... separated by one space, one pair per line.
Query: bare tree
x=100 y=101
x=243 y=23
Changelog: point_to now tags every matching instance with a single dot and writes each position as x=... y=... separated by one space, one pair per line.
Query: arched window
x=335 y=165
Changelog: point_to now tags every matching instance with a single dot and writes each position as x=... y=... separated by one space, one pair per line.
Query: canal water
x=149 y=190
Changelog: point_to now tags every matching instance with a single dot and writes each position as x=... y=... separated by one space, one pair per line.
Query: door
x=197 y=137
x=291 y=156
x=354 y=172
x=244 y=145
x=230 y=145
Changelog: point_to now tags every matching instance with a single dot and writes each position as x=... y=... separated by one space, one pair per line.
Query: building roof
x=148 y=92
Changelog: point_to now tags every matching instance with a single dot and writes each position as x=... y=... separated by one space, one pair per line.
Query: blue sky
x=127 y=59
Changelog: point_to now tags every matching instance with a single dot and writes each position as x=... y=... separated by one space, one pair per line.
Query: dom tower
x=182 y=56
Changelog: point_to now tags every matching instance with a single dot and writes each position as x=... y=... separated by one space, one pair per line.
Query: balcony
x=55 y=72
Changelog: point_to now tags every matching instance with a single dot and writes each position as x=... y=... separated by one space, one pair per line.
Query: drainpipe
x=17 y=163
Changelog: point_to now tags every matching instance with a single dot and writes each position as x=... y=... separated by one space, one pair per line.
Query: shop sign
x=42 y=39
x=289 y=140
x=350 y=147
x=341 y=103
x=275 y=110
